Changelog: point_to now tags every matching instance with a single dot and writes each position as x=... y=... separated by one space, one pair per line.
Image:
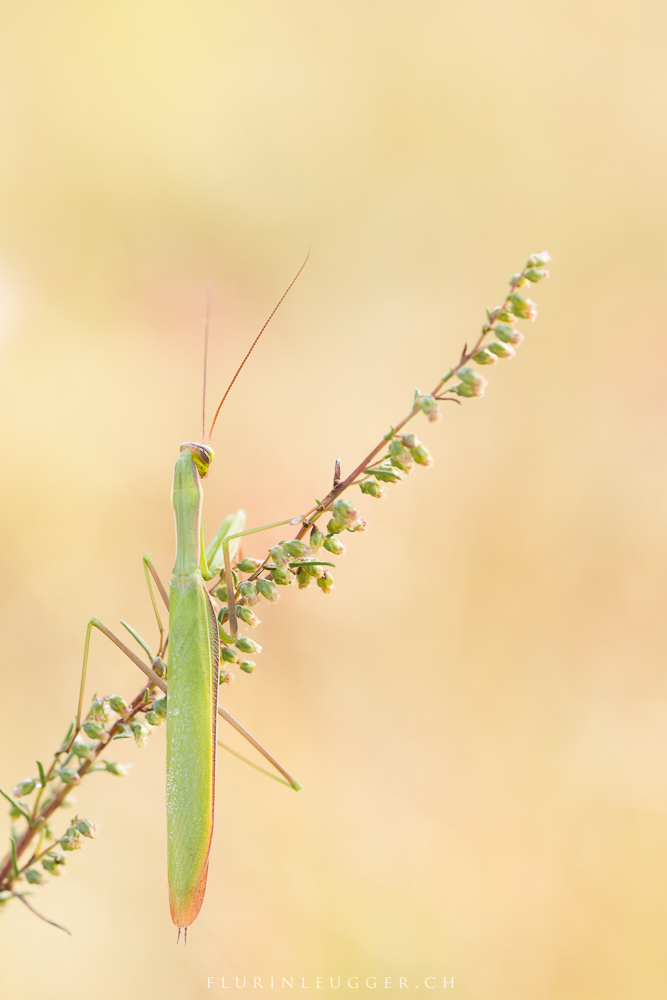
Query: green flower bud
x=484 y=357
x=334 y=545
x=159 y=666
x=282 y=576
x=267 y=589
x=473 y=384
x=25 y=787
x=34 y=877
x=311 y=568
x=123 y=733
x=316 y=539
x=226 y=677
x=98 y=711
x=51 y=866
x=505 y=316
x=429 y=407
x=303 y=578
x=400 y=457
x=221 y=592
x=508 y=334
x=247 y=645
x=517 y=280
x=296 y=548
x=334 y=528
x=385 y=473
x=345 y=513
x=152 y=718
x=247 y=665
x=82 y=750
x=372 y=488
x=279 y=556
x=225 y=636
x=159 y=706
x=227 y=655
x=410 y=440
x=325 y=583
x=536 y=274
x=113 y=767
x=522 y=307
x=93 y=729
x=140 y=733
x=539 y=259
x=68 y=776
x=248 y=590
x=248 y=565
x=501 y=350
x=70 y=843
x=361 y=525
x=422 y=455
x=118 y=704
x=85 y=827
x=248 y=617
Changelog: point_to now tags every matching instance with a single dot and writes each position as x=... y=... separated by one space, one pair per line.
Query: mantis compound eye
x=202 y=456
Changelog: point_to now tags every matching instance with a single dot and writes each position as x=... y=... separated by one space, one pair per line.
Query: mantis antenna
x=238 y=370
x=207 y=324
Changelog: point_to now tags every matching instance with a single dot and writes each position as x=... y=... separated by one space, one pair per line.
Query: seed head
x=25 y=787
x=248 y=565
x=522 y=307
x=247 y=645
x=247 y=666
x=118 y=704
x=248 y=590
x=484 y=357
x=267 y=589
x=93 y=729
x=316 y=539
x=228 y=655
x=325 y=583
x=85 y=827
x=296 y=548
x=372 y=488
x=248 y=617
x=430 y=408
x=345 y=513
x=501 y=350
x=334 y=545
x=508 y=334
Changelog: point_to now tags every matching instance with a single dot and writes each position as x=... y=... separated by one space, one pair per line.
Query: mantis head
x=202 y=456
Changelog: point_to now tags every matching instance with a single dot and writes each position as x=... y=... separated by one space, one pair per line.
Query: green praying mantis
x=193 y=641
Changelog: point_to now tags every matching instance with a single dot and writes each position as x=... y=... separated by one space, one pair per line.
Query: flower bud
x=505 y=316
x=34 y=877
x=221 y=592
x=248 y=565
x=248 y=617
x=536 y=274
x=227 y=655
x=334 y=528
x=361 y=525
x=372 y=488
x=118 y=704
x=325 y=583
x=123 y=732
x=422 y=455
x=93 y=729
x=247 y=666
x=508 y=334
x=226 y=677
x=334 y=545
x=281 y=576
x=25 y=787
x=517 y=280
x=140 y=733
x=68 y=776
x=279 y=556
x=152 y=718
x=82 y=750
x=159 y=666
x=316 y=539
x=303 y=578
x=113 y=767
x=483 y=357
x=159 y=706
x=539 y=259
x=85 y=827
x=385 y=473
x=410 y=441
x=296 y=548
x=429 y=407
x=247 y=645
x=98 y=711
x=501 y=350
x=312 y=568
x=71 y=841
x=267 y=589
x=522 y=307
x=345 y=513
x=249 y=591
x=472 y=377
x=400 y=457
x=51 y=866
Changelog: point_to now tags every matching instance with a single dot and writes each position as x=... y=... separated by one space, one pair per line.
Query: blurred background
x=478 y=713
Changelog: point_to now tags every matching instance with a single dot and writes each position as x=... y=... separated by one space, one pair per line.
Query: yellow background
x=478 y=713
